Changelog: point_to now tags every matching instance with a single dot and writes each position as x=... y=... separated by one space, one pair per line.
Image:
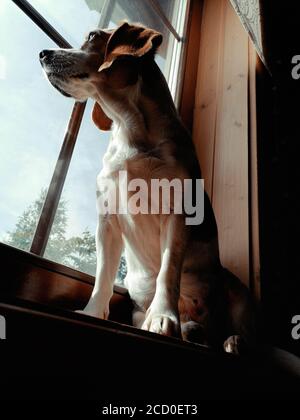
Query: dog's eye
x=91 y=36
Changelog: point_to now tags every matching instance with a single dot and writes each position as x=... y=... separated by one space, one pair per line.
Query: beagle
x=175 y=279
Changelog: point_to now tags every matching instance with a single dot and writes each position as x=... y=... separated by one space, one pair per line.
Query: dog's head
x=109 y=56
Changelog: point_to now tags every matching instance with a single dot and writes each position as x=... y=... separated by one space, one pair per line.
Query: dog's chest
x=116 y=156
x=126 y=166
x=128 y=170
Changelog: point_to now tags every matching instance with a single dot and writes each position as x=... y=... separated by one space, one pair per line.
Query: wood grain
x=207 y=89
x=230 y=197
x=188 y=92
x=220 y=129
x=253 y=179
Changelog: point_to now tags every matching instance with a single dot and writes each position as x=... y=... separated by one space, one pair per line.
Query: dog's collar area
x=61 y=91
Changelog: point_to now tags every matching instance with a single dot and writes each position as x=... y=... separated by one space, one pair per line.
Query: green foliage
x=78 y=252
x=22 y=235
x=81 y=252
x=122 y=271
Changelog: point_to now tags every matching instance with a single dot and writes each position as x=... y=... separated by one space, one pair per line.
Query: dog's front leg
x=162 y=316
x=109 y=247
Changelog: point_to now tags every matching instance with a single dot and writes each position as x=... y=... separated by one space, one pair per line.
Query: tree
x=78 y=252
x=122 y=271
x=22 y=235
x=82 y=252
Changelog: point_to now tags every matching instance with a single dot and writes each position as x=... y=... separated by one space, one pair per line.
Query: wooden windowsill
x=32 y=278
x=19 y=254
x=64 y=354
x=37 y=310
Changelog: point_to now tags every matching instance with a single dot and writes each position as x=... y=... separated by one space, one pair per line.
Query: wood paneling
x=230 y=178
x=224 y=116
x=206 y=99
x=253 y=178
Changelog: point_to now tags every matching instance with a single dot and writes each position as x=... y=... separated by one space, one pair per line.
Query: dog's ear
x=129 y=41
x=100 y=119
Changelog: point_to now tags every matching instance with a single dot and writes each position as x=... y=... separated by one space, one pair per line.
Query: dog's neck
x=144 y=111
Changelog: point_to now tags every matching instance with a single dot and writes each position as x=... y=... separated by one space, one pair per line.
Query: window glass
x=72 y=236
x=76 y=217
x=81 y=16
x=33 y=119
x=73 y=19
x=34 y=116
x=142 y=11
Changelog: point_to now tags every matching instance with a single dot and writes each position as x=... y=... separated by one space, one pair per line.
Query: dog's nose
x=45 y=53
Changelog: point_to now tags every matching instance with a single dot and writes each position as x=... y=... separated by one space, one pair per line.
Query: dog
x=174 y=275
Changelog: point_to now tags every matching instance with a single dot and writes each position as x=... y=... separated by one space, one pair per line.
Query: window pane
x=72 y=237
x=33 y=119
x=73 y=19
x=142 y=11
x=71 y=240
x=81 y=16
x=76 y=217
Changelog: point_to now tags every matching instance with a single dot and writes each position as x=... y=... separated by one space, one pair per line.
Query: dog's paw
x=233 y=344
x=193 y=331
x=162 y=324
x=94 y=311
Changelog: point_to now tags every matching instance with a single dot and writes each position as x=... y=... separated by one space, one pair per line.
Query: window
x=45 y=207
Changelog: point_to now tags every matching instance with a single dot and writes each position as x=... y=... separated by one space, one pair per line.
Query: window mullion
x=156 y=6
x=42 y=23
x=106 y=13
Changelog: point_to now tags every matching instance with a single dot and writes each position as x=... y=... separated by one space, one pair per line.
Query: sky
x=34 y=116
x=33 y=119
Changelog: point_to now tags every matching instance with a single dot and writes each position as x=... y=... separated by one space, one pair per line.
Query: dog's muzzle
x=46 y=57
x=45 y=54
